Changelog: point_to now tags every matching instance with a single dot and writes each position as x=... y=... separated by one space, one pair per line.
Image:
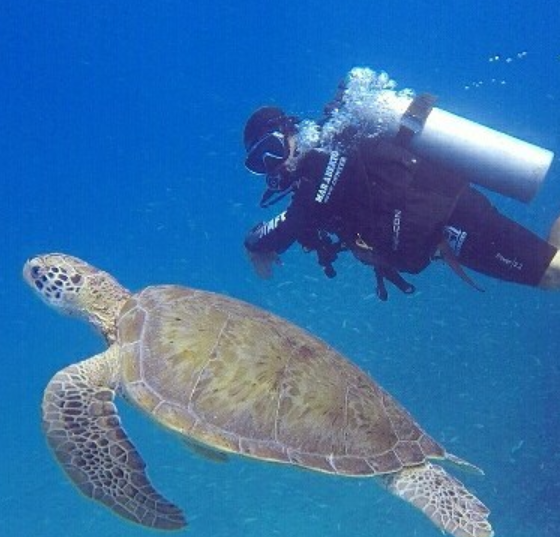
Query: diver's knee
x=551 y=277
x=554 y=235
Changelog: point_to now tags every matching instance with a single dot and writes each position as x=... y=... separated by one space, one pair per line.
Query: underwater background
x=120 y=142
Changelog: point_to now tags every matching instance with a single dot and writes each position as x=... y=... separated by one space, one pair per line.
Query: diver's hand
x=263 y=263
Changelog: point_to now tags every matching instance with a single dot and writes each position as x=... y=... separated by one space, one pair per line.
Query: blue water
x=120 y=142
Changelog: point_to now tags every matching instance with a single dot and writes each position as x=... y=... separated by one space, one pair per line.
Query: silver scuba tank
x=481 y=155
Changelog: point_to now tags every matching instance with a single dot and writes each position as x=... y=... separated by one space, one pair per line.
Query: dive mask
x=267 y=154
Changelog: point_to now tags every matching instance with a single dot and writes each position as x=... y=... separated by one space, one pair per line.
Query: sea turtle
x=229 y=378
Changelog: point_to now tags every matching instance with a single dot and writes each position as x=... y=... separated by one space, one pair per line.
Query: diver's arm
x=276 y=235
x=267 y=240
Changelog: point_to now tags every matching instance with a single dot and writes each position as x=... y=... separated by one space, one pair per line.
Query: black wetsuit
x=392 y=210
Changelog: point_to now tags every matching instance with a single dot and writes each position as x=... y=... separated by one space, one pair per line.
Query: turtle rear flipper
x=444 y=499
x=84 y=431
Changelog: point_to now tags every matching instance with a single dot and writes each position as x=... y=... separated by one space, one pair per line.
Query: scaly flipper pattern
x=444 y=499
x=85 y=434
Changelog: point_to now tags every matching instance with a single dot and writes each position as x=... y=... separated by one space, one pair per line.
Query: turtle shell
x=238 y=379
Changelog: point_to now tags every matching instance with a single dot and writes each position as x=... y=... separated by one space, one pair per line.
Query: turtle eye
x=35 y=271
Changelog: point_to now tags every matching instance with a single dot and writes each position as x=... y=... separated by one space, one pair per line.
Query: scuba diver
x=387 y=176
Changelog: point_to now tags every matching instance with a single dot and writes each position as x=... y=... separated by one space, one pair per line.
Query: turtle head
x=73 y=287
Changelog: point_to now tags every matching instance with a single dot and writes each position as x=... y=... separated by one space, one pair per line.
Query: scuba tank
x=484 y=156
x=479 y=154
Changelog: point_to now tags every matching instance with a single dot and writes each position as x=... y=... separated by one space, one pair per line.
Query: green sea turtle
x=229 y=378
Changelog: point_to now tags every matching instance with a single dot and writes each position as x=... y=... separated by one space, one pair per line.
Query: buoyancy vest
x=402 y=205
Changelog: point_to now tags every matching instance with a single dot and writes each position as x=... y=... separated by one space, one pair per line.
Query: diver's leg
x=551 y=277
x=485 y=240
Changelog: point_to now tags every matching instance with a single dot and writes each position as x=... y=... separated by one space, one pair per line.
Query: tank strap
x=413 y=120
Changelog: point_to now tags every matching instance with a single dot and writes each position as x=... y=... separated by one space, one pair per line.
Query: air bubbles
x=508 y=59
x=501 y=66
x=369 y=103
x=479 y=83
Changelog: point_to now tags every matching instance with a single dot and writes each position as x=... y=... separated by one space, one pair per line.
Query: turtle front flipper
x=84 y=431
x=444 y=499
